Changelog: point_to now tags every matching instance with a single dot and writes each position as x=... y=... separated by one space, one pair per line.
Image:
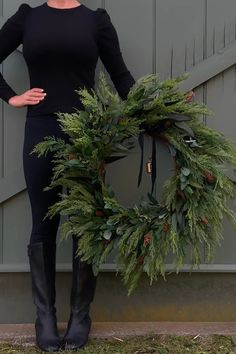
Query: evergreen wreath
x=194 y=199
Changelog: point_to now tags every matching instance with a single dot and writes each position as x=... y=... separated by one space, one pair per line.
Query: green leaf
x=183 y=185
x=185 y=127
x=122 y=147
x=195 y=144
x=74 y=162
x=180 y=218
x=152 y=199
x=179 y=117
x=189 y=190
x=161 y=216
x=183 y=178
x=107 y=234
x=185 y=171
x=120 y=229
x=174 y=221
x=172 y=150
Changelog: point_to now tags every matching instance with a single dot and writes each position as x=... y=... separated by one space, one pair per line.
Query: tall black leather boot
x=82 y=294
x=42 y=264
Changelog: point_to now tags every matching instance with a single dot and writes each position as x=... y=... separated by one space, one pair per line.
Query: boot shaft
x=83 y=282
x=42 y=260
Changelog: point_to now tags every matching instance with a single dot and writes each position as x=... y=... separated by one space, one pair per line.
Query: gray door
x=165 y=36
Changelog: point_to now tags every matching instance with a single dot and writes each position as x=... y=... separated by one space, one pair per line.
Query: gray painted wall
x=165 y=36
x=176 y=36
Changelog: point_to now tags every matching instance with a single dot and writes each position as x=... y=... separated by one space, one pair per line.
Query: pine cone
x=147 y=238
x=141 y=259
x=181 y=194
x=205 y=221
x=101 y=168
x=100 y=213
x=106 y=242
x=189 y=96
x=166 y=226
x=72 y=157
x=167 y=124
x=120 y=120
x=209 y=176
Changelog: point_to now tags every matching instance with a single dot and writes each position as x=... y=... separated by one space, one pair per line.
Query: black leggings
x=38 y=173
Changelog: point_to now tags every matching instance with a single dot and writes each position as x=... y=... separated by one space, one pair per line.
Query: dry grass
x=158 y=344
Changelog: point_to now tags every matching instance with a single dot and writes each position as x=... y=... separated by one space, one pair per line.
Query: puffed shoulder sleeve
x=11 y=34
x=111 y=55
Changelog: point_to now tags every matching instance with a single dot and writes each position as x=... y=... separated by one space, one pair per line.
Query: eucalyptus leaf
x=172 y=150
x=183 y=185
x=185 y=127
x=121 y=147
x=107 y=234
x=74 y=162
x=144 y=204
x=152 y=199
x=179 y=117
x=111 y=222
x=174 y=221
x=120 y=229
x=161 y=216
x=183 y=178
x=185 y=171
x=195 y=144
x=189 y=190
x=179 y=216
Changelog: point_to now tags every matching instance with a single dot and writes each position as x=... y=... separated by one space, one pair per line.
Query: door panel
x=164 y=36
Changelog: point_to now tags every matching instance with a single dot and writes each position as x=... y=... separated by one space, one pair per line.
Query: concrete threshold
x=24 y=333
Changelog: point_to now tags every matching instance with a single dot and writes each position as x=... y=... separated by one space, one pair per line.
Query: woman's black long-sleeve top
x=61 y=48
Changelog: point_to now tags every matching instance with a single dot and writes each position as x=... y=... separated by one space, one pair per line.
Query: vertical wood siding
x=156 y=36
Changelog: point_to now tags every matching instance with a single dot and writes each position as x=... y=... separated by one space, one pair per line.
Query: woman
x=62 y=41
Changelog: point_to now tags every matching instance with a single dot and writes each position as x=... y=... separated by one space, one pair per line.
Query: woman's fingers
x=31 y=101
x=37 y=95
x=30 y=97
x=36 y=89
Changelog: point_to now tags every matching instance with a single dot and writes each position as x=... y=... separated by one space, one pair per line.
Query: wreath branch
x=194 y=201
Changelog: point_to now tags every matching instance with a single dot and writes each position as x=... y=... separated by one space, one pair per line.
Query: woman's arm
x=11 y=35
x=10 y=38
x=111 y=55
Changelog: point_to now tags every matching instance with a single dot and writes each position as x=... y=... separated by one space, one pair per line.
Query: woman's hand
x=29 y=97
